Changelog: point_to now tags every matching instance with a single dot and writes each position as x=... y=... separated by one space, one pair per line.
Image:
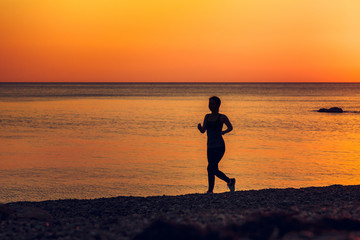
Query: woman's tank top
x=214 y=129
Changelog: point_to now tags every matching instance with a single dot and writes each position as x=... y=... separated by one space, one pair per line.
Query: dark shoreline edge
x=301 y=213
x=317 y=189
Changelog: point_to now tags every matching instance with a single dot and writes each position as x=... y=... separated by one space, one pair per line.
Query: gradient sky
x=179 y=40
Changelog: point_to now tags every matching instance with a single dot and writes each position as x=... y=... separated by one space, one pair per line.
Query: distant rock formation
x=331 y=110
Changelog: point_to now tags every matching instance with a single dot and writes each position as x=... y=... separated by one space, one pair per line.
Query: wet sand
x=307 y=213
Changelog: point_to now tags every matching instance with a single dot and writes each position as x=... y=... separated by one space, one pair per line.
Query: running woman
x=213 y=124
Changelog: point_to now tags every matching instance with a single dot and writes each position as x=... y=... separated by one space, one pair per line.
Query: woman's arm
x=202 y=128
x=227 y=123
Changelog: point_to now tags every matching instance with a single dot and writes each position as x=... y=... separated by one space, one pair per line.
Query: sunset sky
x=179 y=40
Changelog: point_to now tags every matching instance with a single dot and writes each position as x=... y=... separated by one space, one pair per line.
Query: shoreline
x=290 y=213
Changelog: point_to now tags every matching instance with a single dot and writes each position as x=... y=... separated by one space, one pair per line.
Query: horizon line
x=170 y=82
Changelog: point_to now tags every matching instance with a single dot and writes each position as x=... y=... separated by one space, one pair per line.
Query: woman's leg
x=219 y=173
x=211 y=168
x=214 y=156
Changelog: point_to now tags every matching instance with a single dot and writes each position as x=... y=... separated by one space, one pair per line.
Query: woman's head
x=214 y=104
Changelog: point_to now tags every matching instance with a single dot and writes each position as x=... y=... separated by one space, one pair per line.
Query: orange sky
x=179 y=40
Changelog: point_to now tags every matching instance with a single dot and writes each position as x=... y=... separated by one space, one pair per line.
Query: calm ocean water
x=101 y=140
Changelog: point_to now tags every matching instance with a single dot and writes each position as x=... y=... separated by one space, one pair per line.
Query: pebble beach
x=331 y=212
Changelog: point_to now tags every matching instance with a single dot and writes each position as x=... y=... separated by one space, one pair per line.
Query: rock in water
x=331 y=110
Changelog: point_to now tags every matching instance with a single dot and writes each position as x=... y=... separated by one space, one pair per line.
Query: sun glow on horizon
x=195 y=41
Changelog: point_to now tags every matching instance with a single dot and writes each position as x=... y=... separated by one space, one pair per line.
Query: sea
x=95 y=140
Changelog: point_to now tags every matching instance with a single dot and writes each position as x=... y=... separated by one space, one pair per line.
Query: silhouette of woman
x=213 y=124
